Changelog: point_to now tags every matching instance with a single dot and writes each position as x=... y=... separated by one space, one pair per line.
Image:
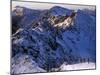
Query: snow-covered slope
x=48 y=47
x=23 y=63
x=79 y=66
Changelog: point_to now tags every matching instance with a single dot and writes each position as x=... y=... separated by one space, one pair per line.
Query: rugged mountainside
x=36 y=39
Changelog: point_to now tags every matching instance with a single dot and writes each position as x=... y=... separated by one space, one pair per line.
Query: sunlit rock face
x=44 y=40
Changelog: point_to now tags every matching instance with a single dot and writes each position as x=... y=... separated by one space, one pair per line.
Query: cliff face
x=48 y=47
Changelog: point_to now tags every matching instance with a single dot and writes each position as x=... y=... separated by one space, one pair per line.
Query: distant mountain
x=35 y=35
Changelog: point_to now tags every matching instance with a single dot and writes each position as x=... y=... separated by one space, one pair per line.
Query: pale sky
x=35 y=5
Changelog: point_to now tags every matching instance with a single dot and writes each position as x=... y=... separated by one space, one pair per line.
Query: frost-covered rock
x=23 y=63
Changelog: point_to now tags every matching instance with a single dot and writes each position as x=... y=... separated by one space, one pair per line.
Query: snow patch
x=80 y=66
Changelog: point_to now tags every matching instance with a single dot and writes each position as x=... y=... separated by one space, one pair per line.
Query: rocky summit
x=44 y=40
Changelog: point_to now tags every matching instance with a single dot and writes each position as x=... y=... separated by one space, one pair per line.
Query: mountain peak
x=58 y=10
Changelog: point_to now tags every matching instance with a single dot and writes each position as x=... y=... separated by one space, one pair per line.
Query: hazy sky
x=35 y=5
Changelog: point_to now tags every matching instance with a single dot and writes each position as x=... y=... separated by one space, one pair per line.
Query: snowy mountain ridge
x=49 y=41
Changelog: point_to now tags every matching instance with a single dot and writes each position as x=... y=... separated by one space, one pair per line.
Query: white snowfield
x=24 y=64
x=80 y=66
